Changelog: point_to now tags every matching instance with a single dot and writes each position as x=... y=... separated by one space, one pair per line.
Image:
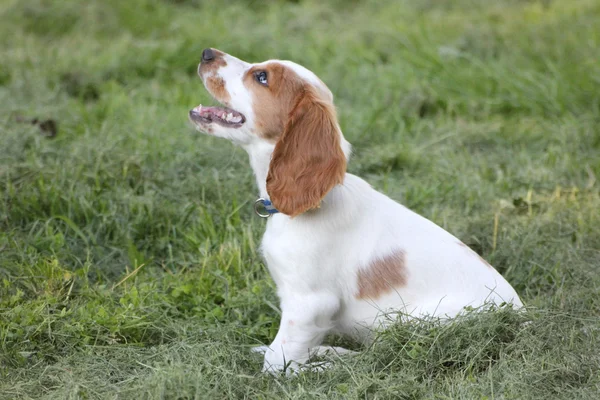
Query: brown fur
x=216 y=86
x=382 y=276
x=308 y=160
x=474 y=253
x=273 y=103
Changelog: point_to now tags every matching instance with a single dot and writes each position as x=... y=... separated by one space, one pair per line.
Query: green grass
x=129 y=264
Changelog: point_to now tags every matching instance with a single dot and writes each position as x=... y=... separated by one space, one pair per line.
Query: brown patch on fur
x=382 y=276
x=273 y=103
x=216 y=86
x=474 y=253
x=308 y=160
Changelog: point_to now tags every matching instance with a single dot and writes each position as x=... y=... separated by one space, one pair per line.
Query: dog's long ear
x=308 y=160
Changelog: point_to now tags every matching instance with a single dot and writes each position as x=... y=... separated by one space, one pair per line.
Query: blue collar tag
x=264 y=208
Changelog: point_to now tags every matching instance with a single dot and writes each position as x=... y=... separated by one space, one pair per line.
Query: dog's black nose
x=208 y=55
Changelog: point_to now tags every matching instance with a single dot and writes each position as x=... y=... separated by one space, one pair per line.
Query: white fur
x=315 y=257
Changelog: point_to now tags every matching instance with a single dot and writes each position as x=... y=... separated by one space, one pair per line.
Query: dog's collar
x=264 y=208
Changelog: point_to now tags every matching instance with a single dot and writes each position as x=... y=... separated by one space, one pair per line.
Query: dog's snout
x=208 y=55
x=211 y=61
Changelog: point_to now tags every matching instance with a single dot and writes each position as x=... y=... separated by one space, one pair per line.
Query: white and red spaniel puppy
x=342 y=254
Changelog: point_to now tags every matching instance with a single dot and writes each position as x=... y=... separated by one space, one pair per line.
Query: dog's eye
x=261 y=77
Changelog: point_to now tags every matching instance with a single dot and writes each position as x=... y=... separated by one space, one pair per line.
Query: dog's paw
x=275 y=363
x=293 y=369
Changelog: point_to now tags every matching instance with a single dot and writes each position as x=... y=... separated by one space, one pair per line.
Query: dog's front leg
x=305 y=321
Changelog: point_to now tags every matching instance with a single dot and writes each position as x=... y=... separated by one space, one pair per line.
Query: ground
x=129 y=262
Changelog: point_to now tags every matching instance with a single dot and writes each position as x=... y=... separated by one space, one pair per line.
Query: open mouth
x=221 y=115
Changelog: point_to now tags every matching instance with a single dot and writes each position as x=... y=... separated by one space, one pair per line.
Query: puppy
x=342 y=254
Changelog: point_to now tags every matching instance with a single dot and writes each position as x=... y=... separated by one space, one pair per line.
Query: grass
x=128 y=249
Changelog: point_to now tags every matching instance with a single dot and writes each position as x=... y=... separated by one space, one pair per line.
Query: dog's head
x=284 y=105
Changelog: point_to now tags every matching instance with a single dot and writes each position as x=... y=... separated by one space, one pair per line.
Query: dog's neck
x=260 y=153
x=260 y=158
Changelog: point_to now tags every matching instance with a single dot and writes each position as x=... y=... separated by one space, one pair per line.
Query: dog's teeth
x=236 y=119
x=198 y=108
x=229 y=116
